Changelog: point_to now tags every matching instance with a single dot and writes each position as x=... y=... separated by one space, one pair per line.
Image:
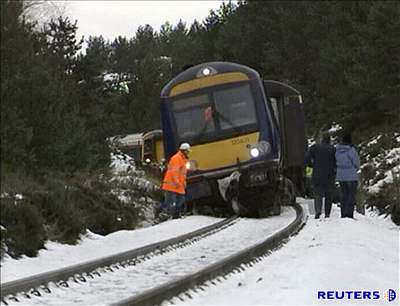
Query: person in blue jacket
x=347 y=165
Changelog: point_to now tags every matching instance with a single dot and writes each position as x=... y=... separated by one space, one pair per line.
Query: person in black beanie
x=321 y=157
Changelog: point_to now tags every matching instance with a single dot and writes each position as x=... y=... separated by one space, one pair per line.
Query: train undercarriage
x=258 y=190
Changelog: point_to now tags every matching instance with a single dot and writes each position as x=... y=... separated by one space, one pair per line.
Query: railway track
x=33 y=285
x=160 y=278
x=183 y=287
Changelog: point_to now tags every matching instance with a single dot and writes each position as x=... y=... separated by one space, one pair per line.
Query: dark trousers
x=308 y=188
x=347 y=198
x=173 y=203
x=321 y=191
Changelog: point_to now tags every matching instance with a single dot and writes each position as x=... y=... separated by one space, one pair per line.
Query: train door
x=288 y=108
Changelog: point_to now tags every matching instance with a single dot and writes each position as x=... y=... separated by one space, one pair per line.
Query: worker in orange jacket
x=174 y=183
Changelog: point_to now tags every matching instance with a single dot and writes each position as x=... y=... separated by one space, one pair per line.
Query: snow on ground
x=328 y=254
x=112 y=287
x=94 y=246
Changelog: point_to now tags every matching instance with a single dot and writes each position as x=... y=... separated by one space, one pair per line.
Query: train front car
x=221 y=109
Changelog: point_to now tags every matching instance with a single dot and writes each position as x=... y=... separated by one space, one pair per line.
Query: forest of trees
x=59 y=104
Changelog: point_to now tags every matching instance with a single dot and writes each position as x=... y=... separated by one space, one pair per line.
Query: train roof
x=154 y=133
x=215 y=67
x=127 y=140
x=278 y=88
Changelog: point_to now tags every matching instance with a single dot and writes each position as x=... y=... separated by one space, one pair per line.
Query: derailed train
x=247 y=137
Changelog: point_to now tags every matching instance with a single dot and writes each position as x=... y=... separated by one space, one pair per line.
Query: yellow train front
x=153 y=148
x=221 y=109
x=153 y=152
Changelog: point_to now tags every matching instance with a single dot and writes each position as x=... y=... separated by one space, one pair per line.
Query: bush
x=24 y=232
x=64 y=221
x=396 y=213
x=394 y=194
x=104 y=212
x=387 y=200
x=60 y=209
x=85 y=202
x=379 y=159
x=3 y=245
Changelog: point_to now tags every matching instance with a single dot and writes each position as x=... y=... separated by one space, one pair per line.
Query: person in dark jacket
x=321 y=157
x=348 y=164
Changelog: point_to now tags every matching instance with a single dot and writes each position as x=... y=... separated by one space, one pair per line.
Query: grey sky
x=114 y=18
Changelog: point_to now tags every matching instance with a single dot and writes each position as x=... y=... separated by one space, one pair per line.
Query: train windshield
x=190 y=116
x=235 y=107
x=216 y=114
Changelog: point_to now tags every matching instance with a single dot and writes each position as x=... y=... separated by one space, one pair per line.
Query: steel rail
x=221 y=268
x=64 y=274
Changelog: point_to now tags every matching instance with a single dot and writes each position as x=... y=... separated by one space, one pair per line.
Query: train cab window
x=235 y=107
x=148 y=146
x=192 y=116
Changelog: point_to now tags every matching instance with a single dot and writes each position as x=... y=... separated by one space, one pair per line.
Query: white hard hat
x=185 y=147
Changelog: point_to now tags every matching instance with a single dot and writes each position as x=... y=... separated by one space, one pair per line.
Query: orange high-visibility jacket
x=175 y=176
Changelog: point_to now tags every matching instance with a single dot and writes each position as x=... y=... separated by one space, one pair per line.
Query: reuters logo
x=389 y=295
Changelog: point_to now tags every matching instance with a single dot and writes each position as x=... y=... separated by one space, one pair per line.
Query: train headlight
x=191 y=165
x=147 y=160
x=254 y=152
x=206 y=71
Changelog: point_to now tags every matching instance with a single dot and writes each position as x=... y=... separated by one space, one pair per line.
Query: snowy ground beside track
x=93 y=246
x=113 y=287
x=329 y=254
